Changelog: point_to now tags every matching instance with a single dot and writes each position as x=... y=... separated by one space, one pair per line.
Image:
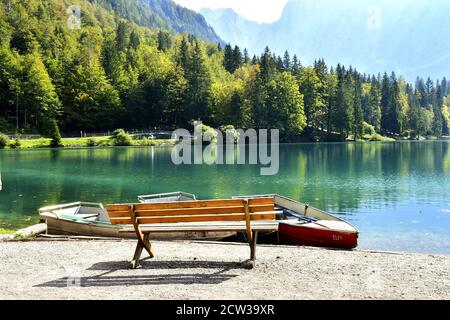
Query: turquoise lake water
x=396 y=194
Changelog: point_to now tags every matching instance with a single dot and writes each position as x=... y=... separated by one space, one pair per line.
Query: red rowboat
x=302 y=225
x=307 y=226
x=318 y=234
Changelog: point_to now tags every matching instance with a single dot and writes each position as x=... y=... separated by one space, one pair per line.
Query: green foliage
x=209 y=133
x=231 y=131
x=162 y=14
x=41 y=99
x=232 y=58
x=164 y=41
x=15 y=144
x=286 y=105
x=7 y=232
x=368 y=129
x=182 y=20
x=55 y=135
x=4 y=141
x=121 y=138
x=311 y=87
x=92 y=143
x=126 y=67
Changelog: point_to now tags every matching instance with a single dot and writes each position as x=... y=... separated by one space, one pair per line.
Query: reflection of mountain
x=409 y=36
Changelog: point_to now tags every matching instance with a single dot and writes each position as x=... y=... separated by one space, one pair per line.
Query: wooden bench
x=241 y=215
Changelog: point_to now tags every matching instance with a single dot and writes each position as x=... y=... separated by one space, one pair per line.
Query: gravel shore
x=42 y=269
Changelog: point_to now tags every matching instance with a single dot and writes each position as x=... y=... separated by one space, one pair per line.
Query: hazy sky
x=255 y=10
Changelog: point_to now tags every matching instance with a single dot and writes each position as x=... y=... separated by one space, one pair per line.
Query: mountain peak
x=375 y=36
x=164 y=14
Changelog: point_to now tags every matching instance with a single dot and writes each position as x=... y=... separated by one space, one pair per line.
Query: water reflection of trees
x=341 y=177
x=335 y=177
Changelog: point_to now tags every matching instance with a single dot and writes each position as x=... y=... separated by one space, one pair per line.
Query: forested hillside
x=162 y=14
x=114 y=73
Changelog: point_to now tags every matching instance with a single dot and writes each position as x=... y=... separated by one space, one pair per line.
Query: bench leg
x=141 y=245
x=137 y=254
x=252 y=243
x=253 y=246
x=148 y=246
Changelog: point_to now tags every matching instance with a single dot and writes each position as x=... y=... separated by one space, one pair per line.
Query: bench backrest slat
x=192 y=211
x=120 y=214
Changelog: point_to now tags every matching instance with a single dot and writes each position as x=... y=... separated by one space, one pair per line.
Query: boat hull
x=309 y=234
x=58 y=226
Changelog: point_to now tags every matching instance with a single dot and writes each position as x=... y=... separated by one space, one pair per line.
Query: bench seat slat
x=206 y=227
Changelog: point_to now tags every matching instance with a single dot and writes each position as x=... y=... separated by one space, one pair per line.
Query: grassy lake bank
x=101 y=142
x=87 y=143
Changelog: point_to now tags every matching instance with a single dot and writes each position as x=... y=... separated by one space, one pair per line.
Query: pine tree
x=268 y=66
x=280 y=64
x=321 y=71
x=246 y=57
x=357 y=110
x=349 y=102
x=122 y=37
x=135 y=40
x=394 y=123
x=331 y=93
x=228 y=60
x=55 y=135
x=375 y=104
x=237 y=58
x=287 y=65
x=295 y=68
x=386 y=93
x=437 y=110
x=164 y=41
x=338 y=113
x=199 y=83
x=444 y=87
x=429 y=93
x=184 y=56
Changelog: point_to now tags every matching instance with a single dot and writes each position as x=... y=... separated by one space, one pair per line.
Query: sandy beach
x=43 y=269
